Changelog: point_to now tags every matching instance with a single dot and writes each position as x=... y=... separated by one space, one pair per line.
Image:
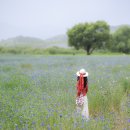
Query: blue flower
x=42 y=124
x=54 y=125
x=33 y=123
x=48 y=127
x=60 y=115
x=102 y=118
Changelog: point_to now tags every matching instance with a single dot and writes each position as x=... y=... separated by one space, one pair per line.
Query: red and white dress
x=81 y=99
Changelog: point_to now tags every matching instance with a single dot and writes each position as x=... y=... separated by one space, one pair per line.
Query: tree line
x=97 y=35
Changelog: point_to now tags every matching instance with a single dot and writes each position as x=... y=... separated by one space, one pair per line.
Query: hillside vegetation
x=54 y=45
x=22 y=41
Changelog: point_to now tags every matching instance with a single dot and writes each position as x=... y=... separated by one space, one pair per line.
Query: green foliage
x=126 y=86
x=47 y=51
x=121 y=40
x=76 y=35
x=89 y=36
x=57 y=50
x=26 y=66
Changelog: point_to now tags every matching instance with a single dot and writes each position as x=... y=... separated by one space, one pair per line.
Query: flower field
x=38 y=92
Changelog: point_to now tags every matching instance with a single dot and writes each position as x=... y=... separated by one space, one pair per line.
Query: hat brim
x=85 y=75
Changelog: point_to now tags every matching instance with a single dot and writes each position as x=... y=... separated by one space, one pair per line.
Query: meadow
x=38 y=92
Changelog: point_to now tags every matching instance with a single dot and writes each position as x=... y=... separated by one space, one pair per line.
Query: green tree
x=76 y=36
x=121 y=40
x=89 y=36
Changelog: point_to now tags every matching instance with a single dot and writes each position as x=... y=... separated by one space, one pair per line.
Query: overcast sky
x=47 y=18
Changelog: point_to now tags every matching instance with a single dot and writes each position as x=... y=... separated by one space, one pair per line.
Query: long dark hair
x=85 y=81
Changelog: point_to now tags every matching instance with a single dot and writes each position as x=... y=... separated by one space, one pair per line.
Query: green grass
x=38 y=92
x=53 y=51
x=46 y=51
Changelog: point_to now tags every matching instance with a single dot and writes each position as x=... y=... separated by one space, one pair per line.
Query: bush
x=51 y=51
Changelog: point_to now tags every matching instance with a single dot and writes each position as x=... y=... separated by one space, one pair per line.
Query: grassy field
x=38 y=92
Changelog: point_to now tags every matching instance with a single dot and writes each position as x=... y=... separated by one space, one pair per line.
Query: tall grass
x=46 y=51
x=39 y=92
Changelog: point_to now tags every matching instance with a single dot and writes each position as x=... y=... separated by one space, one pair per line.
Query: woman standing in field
x=82 y=89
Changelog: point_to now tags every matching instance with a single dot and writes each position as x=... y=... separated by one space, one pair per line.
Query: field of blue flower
x=38 y=92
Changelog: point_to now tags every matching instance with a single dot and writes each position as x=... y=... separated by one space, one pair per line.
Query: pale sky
x=48 y=18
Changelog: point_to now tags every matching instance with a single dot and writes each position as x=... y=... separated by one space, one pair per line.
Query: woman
x=82 y=89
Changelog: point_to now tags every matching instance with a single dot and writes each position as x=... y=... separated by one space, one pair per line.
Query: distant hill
x=62 y=37
x=22 y=41
x=58 y=41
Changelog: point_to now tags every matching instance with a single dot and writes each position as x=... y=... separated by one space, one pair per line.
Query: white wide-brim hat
x=82 y=71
